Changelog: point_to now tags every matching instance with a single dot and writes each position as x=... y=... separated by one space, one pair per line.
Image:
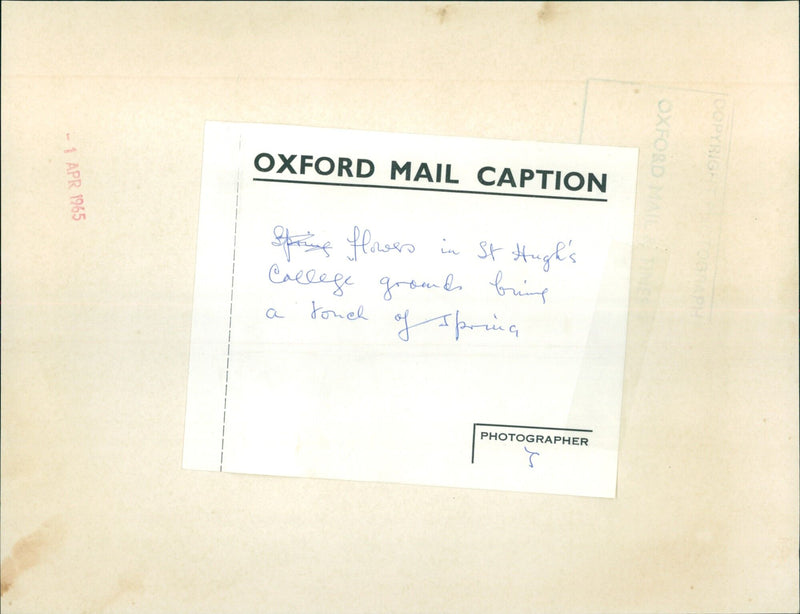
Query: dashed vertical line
x=230 y=313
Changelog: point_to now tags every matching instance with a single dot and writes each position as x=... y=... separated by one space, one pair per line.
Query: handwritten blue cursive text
x=561 y=253
x=328 y=314
x=447 y=285
x=286 y=240
x=509 y=290
x=362 y=244
x=457 y=322
x=310 y=277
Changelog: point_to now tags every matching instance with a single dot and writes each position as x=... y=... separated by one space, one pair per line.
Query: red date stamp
x=74 y=181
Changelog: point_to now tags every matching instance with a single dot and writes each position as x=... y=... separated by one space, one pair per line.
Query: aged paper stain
x=29 y=552
x=129 y=583
x=545 y=12
x=444 y=12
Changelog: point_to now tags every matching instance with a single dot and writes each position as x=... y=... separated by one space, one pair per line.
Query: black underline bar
x=543 y=428
x=420 y=189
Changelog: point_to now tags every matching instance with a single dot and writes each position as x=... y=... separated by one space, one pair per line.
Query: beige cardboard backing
x=98 y=516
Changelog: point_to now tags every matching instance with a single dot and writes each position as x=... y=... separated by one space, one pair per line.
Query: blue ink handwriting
x=456 y=321
x=449 y=250
x=557 y=255
x=490 y=253
x=327 y=314
x=403 y=333
x=286 y=240
x=531 y=455
x=310 y=277
x=272 y=314
x=503 y=290
x=448 y=285
x=362 y=243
